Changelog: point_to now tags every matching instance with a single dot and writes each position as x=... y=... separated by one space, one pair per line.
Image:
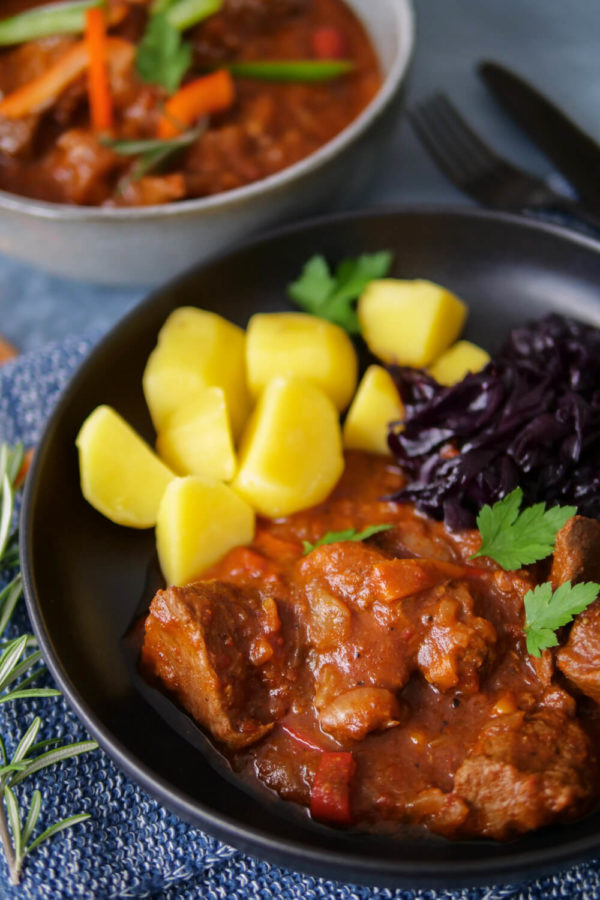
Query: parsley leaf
x=332 y=296
x=163 y=57
x=545 y=611
x=515 y=538
x=351 y=534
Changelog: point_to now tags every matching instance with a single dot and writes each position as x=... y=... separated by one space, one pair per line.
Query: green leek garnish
x=184 y=14
x=292 y=70
x=137 y=147
x=44 y=21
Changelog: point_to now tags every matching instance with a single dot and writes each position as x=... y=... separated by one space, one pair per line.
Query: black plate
x=84 y=576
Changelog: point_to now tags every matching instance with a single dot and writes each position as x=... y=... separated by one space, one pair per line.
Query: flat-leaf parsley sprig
x=351 y=534
x=514 y=538
x=547 y=610
x=20 y=667
x=333 y=296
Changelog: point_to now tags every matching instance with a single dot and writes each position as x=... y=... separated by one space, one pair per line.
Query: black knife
x=574 y=153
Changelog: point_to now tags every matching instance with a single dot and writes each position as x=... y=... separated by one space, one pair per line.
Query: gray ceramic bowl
x=147 y=246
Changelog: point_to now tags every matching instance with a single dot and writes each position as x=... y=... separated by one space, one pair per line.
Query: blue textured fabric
x=132 y=847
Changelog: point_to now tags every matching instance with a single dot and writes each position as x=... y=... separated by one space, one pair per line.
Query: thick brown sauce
x=406 y=773
x=54 y=156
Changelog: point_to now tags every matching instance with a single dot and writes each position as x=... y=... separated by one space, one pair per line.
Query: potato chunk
x=197 y=349
x=296 y=344
x=291 y=452
x=376 y=404
x=196 y=438
x=409 y=322
x=463 y=357
x=199 y=521
x=120 y=475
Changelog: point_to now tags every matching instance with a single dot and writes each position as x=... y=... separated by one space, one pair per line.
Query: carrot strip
x=210 y=94
x=7 y=351
x=25 y=466
x=100 y=98
x=43 y=91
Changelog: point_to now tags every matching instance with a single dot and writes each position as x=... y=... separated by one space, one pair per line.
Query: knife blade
x=574 y=153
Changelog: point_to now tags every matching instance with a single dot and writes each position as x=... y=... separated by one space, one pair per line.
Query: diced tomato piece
x=327 y=43
x=330 y=794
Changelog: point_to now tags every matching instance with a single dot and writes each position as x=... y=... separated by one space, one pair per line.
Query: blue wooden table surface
x=551 y=42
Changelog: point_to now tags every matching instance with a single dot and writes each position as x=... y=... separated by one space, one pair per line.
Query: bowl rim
x=404 y=24
x=328 y=863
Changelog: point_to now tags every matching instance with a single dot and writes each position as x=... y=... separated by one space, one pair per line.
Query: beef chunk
x=220 y=649
x=577 y=552
x=82 y=166
x=526 y=771
x=457 y=643
x=443 y=813
x=579 y=659
x=415 y=538
x=222 y=36
x=355 y=713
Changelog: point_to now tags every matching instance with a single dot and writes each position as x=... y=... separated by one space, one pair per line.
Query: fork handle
x=576 y=211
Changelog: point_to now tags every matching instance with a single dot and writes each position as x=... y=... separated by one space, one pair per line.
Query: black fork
x=476 y=168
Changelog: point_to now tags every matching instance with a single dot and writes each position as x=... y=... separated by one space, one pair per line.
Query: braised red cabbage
x=531 y=418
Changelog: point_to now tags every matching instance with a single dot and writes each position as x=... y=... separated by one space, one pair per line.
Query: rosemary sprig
x=20 y=667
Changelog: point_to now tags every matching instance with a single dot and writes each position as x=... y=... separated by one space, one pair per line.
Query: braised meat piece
x=579 y=659
x=222 y=36
x=220 y=649
x=372 y=621
x=457 y=643
x=358 y=659
x=577 y=552
x=524 y=772
x=576 y=559
x=355 y=713
x=82 y=166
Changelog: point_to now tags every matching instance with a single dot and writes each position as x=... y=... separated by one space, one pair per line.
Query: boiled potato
x=196 y=438
x=296 y=344
x=463 y=357
x=291 y=452
x=197 y=349
x=199 y=521
x=376 y=404
x=409 y=322
x=120 y=475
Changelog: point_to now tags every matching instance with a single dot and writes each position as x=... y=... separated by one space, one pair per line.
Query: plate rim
x=252 y=839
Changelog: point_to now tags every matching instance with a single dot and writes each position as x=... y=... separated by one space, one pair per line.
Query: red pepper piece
x=330 y=794
x=327 y=43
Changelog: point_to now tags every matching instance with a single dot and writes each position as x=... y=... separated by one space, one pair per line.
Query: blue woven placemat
x=132 y=847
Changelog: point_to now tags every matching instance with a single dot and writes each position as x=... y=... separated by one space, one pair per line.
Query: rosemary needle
x=20 y=666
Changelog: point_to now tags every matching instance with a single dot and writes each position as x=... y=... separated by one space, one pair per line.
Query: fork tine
x=476 y=153
x=426 y=124
x=457 y=149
